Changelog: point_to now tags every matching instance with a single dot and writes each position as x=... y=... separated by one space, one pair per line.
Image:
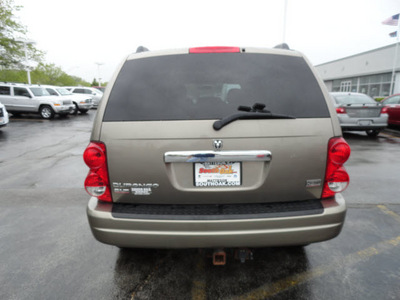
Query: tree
x=94 y=82
x=43 y=74
x=11 y=33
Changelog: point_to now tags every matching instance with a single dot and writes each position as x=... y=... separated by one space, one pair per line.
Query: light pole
x=27 y=42
x=98 y=71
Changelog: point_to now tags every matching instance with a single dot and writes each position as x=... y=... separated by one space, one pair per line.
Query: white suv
x=22 y=98
x=94 y=93
x=81 y=103
x=3 y=116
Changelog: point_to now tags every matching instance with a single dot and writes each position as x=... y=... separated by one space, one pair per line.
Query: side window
x=88 y=91
x=78 y=91
x=52 y=92
x=5 y=90
x=393 y=100
x=18 y=91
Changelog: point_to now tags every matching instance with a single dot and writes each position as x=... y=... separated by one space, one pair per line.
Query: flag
x=393 y=34
x=393 y=20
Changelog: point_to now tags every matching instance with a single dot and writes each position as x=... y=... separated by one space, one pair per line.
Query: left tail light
x=97 y=183
x=336 y=177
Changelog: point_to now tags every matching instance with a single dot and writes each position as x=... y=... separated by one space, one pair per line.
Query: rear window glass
x=212 y=86
x=353 y=99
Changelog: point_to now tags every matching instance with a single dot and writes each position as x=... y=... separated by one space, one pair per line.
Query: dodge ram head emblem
x=218 y=144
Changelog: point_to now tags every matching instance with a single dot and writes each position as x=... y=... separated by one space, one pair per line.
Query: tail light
x=97 y=183
x=384 y=110
x=340 y=110
x=336 y=177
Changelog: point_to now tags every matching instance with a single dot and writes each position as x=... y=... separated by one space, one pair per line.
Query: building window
x=345 y=86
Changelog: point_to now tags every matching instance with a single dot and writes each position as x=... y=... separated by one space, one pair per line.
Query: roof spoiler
x=141 y=49
x=282 y=46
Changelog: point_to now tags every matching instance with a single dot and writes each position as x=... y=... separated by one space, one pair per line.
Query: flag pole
x=391 y=92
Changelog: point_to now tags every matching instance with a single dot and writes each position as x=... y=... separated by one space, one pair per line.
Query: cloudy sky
x=77 y=34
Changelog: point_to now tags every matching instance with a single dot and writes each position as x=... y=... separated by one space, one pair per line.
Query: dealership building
x=368 y=72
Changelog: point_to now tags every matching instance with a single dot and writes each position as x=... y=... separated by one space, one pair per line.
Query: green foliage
x=94 y=82
x=43 y=74
x=379 y=99
x=12 y=54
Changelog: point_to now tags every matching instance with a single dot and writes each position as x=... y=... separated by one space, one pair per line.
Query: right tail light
x=336 y=177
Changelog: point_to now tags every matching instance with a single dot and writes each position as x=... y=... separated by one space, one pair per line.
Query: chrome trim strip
x=216 y=156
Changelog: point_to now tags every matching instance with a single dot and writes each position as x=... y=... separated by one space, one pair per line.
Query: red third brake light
x=96 y=183
x=214 y=50
x=336 y=177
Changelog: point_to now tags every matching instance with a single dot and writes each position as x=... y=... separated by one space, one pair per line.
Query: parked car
x=3 y=116
x=392 y=104
x=100 y=88
x=94 y=93
x=81 y=103
x=22 y=98
x=216 y=149
x=359 y=112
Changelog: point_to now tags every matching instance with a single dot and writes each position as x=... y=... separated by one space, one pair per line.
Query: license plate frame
x=364 y=122
x=217 y=174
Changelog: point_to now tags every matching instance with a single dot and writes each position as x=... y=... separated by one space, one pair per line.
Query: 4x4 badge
x=218 y=144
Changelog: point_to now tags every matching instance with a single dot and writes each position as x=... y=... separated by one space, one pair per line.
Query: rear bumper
x=362 y=124
x=246 y=232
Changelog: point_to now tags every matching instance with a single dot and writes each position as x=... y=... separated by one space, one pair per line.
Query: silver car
x=359 y=112
x=216 y=147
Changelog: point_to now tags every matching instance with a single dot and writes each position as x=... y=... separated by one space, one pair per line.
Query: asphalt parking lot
x=47 y=250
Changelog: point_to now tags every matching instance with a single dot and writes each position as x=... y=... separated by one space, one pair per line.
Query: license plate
x=217 y=174
x=364 y=123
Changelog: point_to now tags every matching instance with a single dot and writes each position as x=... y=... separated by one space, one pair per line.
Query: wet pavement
x=47 y=250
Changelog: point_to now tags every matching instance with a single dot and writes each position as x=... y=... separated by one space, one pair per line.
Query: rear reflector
x=215 y=50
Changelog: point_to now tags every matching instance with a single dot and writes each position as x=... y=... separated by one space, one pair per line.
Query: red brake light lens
x=97 y=183
x=384 y=110
x=336 y=177
x=215 y=50
x=340 y=110
x=94 y=155
x=339 y=151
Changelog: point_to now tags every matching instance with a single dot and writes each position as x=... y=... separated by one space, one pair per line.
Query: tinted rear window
x=212 y=86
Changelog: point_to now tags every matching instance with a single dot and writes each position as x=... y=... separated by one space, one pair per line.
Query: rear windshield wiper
x=256 y=112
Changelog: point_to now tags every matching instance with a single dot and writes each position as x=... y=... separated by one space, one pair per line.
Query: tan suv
x=216 y=147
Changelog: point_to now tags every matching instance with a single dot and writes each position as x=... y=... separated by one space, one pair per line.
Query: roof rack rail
x=282 y=46
x=141 y=49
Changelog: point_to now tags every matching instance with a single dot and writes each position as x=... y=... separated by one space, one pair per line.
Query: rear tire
x=46 y=112
x=83 y=111
x=373 y=132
